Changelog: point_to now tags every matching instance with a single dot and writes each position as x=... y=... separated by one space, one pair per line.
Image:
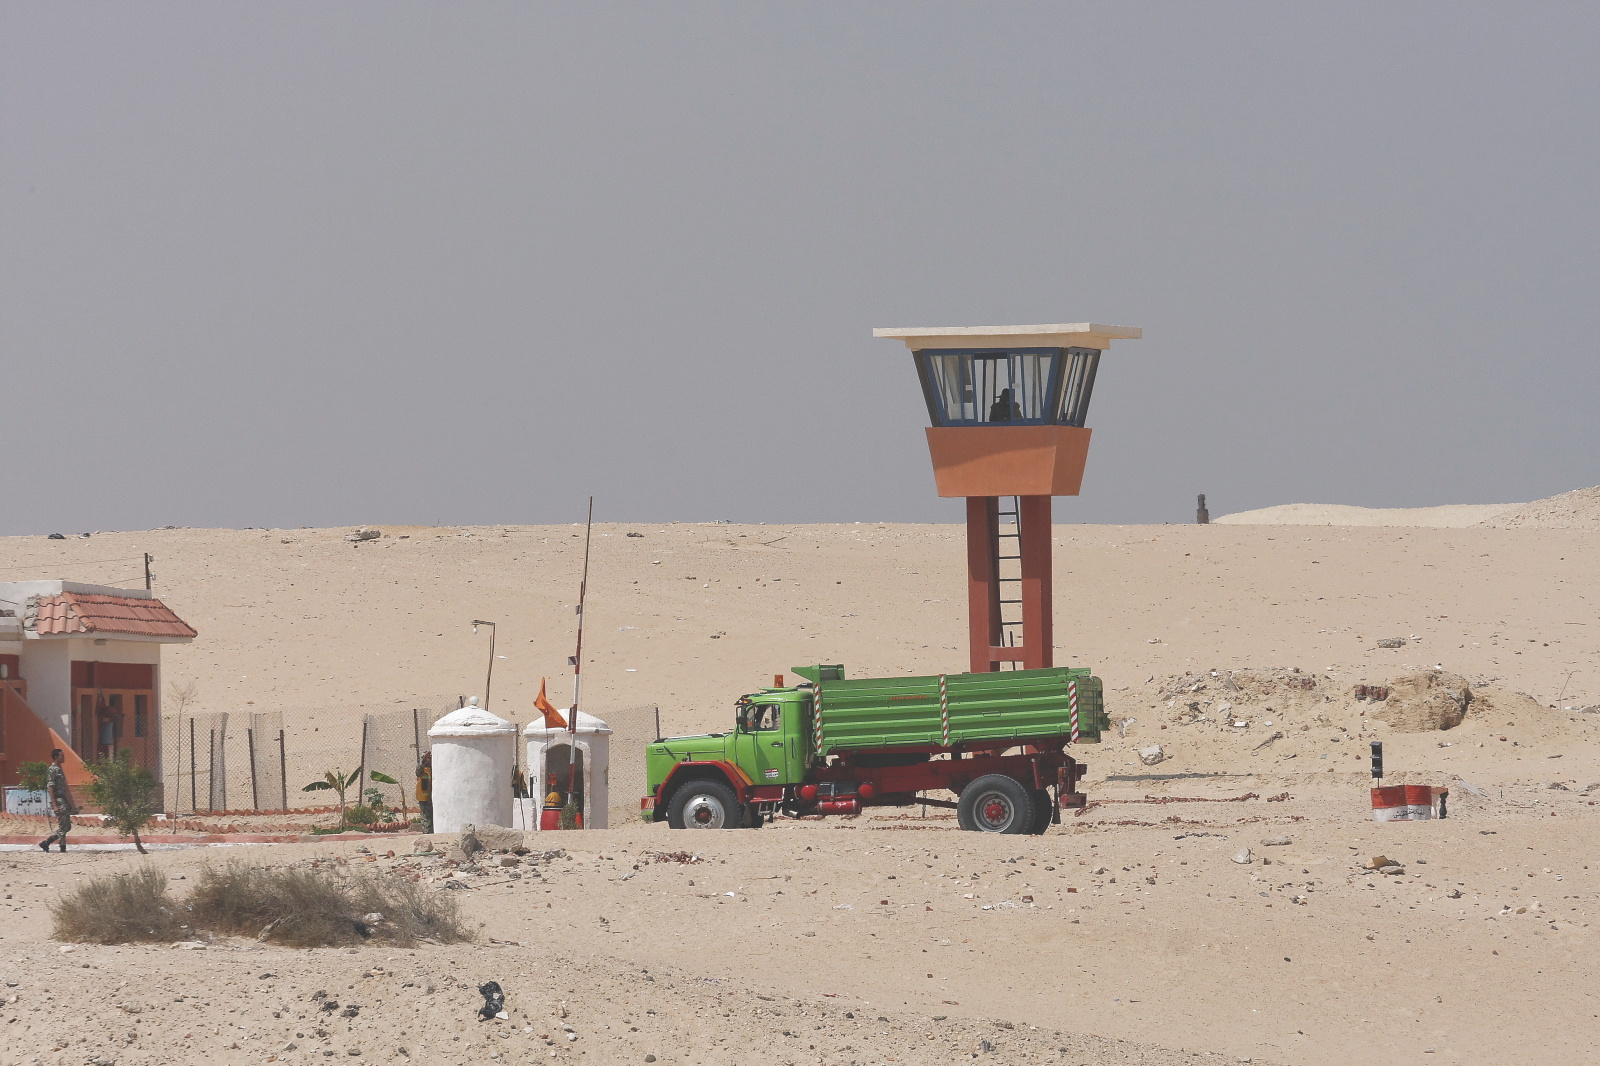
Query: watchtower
x=1007 y=407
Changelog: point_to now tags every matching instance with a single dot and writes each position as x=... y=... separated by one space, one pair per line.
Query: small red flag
x=542 y=704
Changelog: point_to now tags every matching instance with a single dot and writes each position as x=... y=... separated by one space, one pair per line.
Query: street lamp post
x=488 y=681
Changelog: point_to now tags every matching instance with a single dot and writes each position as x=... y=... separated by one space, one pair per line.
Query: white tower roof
x=587 y=723
x=472 y=721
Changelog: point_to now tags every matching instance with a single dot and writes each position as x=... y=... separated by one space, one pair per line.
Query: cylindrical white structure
x=474 y=754
x=549 y=755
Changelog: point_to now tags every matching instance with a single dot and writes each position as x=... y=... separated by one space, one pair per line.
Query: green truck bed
x=892 y=711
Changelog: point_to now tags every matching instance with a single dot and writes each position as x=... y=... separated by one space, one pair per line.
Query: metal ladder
x=1009 y=580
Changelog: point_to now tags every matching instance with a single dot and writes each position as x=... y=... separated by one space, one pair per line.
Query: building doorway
x=114 y=709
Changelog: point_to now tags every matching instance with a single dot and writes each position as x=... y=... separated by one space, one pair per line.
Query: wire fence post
x=211 y=777
x=361 y=766
x=283 y=772
x=255 y=798
x=222 y=759
x=174 y=798
x=192 y=799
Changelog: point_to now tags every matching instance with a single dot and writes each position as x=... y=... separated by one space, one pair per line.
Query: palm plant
x=384 y=779
x=339 y=782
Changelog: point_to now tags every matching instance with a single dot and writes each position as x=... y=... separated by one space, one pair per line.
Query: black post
x=1377 y=760
x=211 y=775
x=222 y=755
x=255 y=798
x=192 y=801
x=361 y=767
x=283 y=772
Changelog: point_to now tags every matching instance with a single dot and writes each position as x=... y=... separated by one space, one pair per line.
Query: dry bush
x=305 y=908
x=120 y=909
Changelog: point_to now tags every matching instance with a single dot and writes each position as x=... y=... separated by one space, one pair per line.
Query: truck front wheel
x=995 y=804
x=705 y=805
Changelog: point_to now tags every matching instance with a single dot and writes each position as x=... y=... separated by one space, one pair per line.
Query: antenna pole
x=577 y=662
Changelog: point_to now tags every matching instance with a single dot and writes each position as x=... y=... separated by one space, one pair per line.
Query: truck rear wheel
x=705 y=804
x=995 y=803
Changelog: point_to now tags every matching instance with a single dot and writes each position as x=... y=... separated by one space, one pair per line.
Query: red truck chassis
x=855 y=780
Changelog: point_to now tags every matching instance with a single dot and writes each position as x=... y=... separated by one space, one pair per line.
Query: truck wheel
x=1041 y=811
x=995 y=804
x=705 y=805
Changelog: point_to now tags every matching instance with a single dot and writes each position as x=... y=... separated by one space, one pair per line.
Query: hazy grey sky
x=325 y=263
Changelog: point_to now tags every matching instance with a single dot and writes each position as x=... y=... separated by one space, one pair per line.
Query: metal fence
x=631 y=729
x=262 y=760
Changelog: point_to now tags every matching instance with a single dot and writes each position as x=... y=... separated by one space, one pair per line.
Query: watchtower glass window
x=1017 y=386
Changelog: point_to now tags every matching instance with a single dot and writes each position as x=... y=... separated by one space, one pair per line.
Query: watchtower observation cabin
x=1007 y=407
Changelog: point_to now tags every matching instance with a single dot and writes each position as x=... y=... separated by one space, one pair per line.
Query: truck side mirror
x=742 y=716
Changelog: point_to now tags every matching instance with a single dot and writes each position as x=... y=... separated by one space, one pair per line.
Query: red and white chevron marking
x=944 y=712
x=1072 y=707
x=816 y=717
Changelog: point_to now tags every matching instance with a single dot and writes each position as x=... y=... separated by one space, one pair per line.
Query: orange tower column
x=1035 y=547
x=983 y=582
x=984 y=605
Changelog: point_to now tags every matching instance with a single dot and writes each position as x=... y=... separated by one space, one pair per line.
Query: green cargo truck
x=834 y=746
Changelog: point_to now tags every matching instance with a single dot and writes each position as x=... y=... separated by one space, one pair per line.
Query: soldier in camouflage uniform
x=60 y=801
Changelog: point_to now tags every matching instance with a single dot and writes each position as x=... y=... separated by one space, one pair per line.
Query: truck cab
x=769 y=741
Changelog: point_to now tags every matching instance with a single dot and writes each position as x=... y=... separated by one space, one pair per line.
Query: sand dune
x=1448 y=516
x=1578 y=509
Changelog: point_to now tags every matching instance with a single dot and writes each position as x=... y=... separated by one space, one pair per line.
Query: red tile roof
x=81 y=612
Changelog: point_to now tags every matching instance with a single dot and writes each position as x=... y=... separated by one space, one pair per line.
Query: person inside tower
x=1005 y=409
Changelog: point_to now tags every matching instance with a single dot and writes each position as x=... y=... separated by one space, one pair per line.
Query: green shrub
x=360 y=814
x=126 y=793
x=119 y=909
x=33 y=776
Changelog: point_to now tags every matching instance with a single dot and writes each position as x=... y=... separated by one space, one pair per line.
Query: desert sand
x=1127 y=934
